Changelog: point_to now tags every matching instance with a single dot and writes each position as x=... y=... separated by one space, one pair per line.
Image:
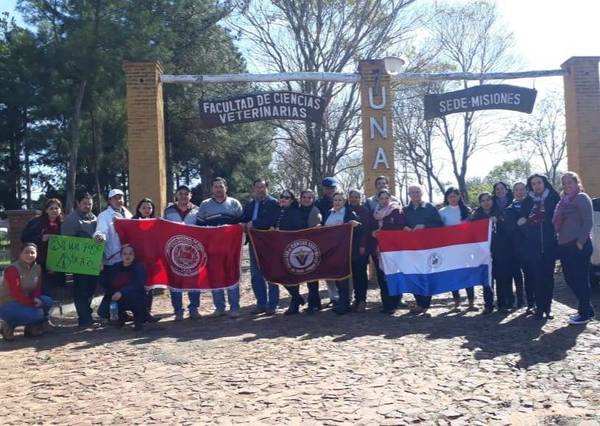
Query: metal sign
x=487 y=96
x=280 y=105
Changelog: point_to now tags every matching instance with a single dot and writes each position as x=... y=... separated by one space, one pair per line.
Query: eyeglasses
x=285 y=197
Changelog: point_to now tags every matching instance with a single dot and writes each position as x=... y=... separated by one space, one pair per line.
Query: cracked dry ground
x=453 y=368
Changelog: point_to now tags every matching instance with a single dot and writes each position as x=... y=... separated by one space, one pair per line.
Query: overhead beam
x=352 y=77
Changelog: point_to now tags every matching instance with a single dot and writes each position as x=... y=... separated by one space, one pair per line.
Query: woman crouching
x=21 y=300
x=125 y=287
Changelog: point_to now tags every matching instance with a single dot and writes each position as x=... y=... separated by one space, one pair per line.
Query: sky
x=546 y=33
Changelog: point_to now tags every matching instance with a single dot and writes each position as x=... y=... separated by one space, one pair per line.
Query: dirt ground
x=453 y=368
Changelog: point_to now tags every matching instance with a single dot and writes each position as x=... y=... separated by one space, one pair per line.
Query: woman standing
x=38 y=231
x=502 y=195
x=340 y=213
x=360 y=279
x=311 y=218
x=455 y=211
x=145 y=210
x=539 y=244
x=388 y=215
x=521 y=276
x=290 y=219
x=21 y=299
x=573 y=223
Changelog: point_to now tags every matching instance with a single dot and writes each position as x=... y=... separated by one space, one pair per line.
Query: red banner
x=185 y=257
x=294 y=257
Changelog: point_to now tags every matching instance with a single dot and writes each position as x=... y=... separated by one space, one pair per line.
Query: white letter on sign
x=380 y=158
x=372 y=103
x=374 y=125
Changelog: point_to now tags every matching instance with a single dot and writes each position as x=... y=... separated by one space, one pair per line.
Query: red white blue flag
x=436 y=260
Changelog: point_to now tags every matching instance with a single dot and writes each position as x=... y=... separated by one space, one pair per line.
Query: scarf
x=381 y=213
x=559 y=213
x=536 y=215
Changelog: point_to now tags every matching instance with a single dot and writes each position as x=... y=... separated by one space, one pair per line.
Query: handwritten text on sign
x=261 y=106
x=74 y=254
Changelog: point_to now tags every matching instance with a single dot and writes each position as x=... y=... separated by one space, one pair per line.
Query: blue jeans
x=177 y=300
x=267 y=294
x=15 y=313
x=233 y=294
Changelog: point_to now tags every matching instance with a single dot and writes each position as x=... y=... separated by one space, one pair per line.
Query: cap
x=114 y=192
x=329 y=182
x=180 y=187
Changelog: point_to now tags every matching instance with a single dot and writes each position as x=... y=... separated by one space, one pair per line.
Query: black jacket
x=324 y=204
x=290 y=219
x=349 y=215
x=537 y=237
x=501 y=245
x=268 y=212
x=425 y=214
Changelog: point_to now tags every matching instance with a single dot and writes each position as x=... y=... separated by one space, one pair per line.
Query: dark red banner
x=294 y=257
x=185 y=257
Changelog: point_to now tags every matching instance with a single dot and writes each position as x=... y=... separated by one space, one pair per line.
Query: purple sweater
x=577 y=223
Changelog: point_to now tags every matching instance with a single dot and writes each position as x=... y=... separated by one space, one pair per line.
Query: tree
x=542 y=136
x=470 y=38
x=510 y=172
x=323 y=36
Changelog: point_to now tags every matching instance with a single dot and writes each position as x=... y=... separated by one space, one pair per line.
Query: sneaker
x=487 y=311
x=579 y=320
x=194 y=314
x=8 y=333
x=217 y=313
x=361 y=307
x=179 y=316
x=234 y=314
x=270 y=311
x=258 y=310
x=151 y=318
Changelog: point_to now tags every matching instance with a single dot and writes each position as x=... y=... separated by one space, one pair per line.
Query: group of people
x=533 y=226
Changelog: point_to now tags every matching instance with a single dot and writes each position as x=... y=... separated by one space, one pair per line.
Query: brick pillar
x=377 y=130
x=17 y=219
x=146 y=134
x=582 y=107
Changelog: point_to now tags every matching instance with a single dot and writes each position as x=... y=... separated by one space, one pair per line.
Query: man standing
x=261 y=213
x=183 y=211
x=419 y=215
x=381 y=182
x=325 y=204
x=215 y=211
x=105 y=231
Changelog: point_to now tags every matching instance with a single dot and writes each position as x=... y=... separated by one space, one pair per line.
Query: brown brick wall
x=582 y=107
x=17 y=219
x=145 y=133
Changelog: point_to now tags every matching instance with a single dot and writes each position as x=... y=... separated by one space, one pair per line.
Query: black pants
x=51 y=282
x=542 y=274
x=360 y=279
x=503 y=275
x=134 y=302
x=423 y=301
x=84 y=287
x=518 y=280
x=388 y=302
x=523 y=270
x=294 y=291
x=470 y=294
x=314 y=298
x=576 y=269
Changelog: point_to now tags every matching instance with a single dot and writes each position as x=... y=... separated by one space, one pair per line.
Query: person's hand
x=116 y=297
x=493 y=219
x=45 y=237
x=407 y=228
x=362 y=251
x=420 y=226
x=354 y=223
x=99 y=238
x=374 y=233
x=37 y=302
x=522 y=221
x=579 y=246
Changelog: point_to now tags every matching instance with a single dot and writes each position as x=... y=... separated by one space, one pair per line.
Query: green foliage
x=509 y=172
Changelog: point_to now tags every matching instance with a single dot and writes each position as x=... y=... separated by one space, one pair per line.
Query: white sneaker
x=234 y=314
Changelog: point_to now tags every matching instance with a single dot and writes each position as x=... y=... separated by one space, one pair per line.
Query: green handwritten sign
x=74 y=254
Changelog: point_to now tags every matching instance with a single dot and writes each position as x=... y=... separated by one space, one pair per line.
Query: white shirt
x=336 y=218
x=106 y=228
x=450 y=215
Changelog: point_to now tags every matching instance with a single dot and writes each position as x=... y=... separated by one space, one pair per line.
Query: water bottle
x=114 y=311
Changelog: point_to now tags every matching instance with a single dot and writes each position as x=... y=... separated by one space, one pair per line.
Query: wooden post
x=146 y=134
x=582 y=109
x=377 y=126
